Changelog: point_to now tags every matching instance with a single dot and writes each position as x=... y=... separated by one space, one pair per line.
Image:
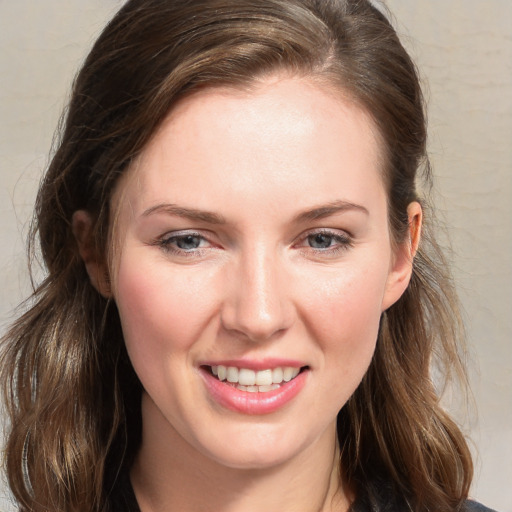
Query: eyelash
x=342 y=242
x=166 y=243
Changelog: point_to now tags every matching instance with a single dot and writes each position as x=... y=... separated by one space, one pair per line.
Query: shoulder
x=473 y=506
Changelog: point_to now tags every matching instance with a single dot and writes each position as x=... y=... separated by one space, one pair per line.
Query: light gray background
x=464 y=52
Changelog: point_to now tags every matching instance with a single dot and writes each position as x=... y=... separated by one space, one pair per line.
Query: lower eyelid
x=172 y=250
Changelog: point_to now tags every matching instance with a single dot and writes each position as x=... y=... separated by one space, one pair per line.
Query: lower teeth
x=257 y=389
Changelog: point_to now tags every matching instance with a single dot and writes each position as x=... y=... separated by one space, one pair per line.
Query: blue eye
x=325 y=243
x=187 y=242
x=183 y=244
x=321 y=240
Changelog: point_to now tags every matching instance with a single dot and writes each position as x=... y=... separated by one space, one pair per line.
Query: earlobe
x=82 y=225
x=401 y=271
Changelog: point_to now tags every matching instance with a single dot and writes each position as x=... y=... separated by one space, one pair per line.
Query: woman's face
x=254 y=248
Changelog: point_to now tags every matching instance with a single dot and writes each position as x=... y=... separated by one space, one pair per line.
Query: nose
x=257 y=305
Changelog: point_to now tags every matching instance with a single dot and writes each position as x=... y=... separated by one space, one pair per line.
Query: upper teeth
x=246 y=377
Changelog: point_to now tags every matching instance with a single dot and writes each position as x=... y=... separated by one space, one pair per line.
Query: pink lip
x=253 y=403
x=255 y=365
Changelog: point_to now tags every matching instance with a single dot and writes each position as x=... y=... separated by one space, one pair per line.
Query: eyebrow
x=320 y=212
x=188 y=213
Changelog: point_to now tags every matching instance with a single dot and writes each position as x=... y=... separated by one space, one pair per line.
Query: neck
x=170 y=474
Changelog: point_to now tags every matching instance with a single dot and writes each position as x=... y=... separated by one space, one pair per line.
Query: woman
x=243 y=300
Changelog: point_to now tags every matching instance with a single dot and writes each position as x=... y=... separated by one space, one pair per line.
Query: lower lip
x=253 y=403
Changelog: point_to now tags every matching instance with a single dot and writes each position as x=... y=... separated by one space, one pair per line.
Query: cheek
x=160 y=309
x=346 y=307
x=343 y=316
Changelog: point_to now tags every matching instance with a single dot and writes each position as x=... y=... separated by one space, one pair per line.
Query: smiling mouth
x=252 y=381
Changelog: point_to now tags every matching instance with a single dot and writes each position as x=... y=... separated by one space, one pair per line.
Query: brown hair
x=71 y=394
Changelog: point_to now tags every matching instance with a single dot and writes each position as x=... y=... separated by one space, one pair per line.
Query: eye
x=325 y=242
x=187 y=242
x=321 y=240
x=183 y=243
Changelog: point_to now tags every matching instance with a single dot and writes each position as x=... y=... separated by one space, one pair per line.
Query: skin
x=258 y=285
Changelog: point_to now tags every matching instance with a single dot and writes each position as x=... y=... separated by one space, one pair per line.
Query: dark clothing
x=473 y=506
x=123 y=500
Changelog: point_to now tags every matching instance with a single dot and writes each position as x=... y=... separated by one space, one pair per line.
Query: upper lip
x=256 y=364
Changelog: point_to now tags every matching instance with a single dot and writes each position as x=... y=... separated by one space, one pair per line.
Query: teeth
x=232 y=374
x=289 y=373
x=246 y=377
x=264 y=378
x=260 y=389
x=252 y=381
x=277 y=375
x=221 y=372
x=263 y=389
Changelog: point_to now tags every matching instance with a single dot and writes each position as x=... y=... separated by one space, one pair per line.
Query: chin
x=259 y=448
x=253 y=460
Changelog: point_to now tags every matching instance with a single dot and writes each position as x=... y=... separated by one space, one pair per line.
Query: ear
x=95 y=265
x=401 y=269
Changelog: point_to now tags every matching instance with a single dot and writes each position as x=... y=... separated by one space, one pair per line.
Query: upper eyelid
x=181 y=233
x=329 y=231
x=334 y=231
x=185 y=232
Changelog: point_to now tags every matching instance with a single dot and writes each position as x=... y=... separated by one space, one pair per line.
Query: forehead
x=280 y=132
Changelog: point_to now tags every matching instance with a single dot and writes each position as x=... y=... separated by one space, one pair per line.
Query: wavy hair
x=71 y=394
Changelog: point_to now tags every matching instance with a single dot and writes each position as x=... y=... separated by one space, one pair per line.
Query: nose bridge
x=257 y=306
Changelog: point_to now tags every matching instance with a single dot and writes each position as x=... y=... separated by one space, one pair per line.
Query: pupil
x=188 y=242
x=320 y=241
